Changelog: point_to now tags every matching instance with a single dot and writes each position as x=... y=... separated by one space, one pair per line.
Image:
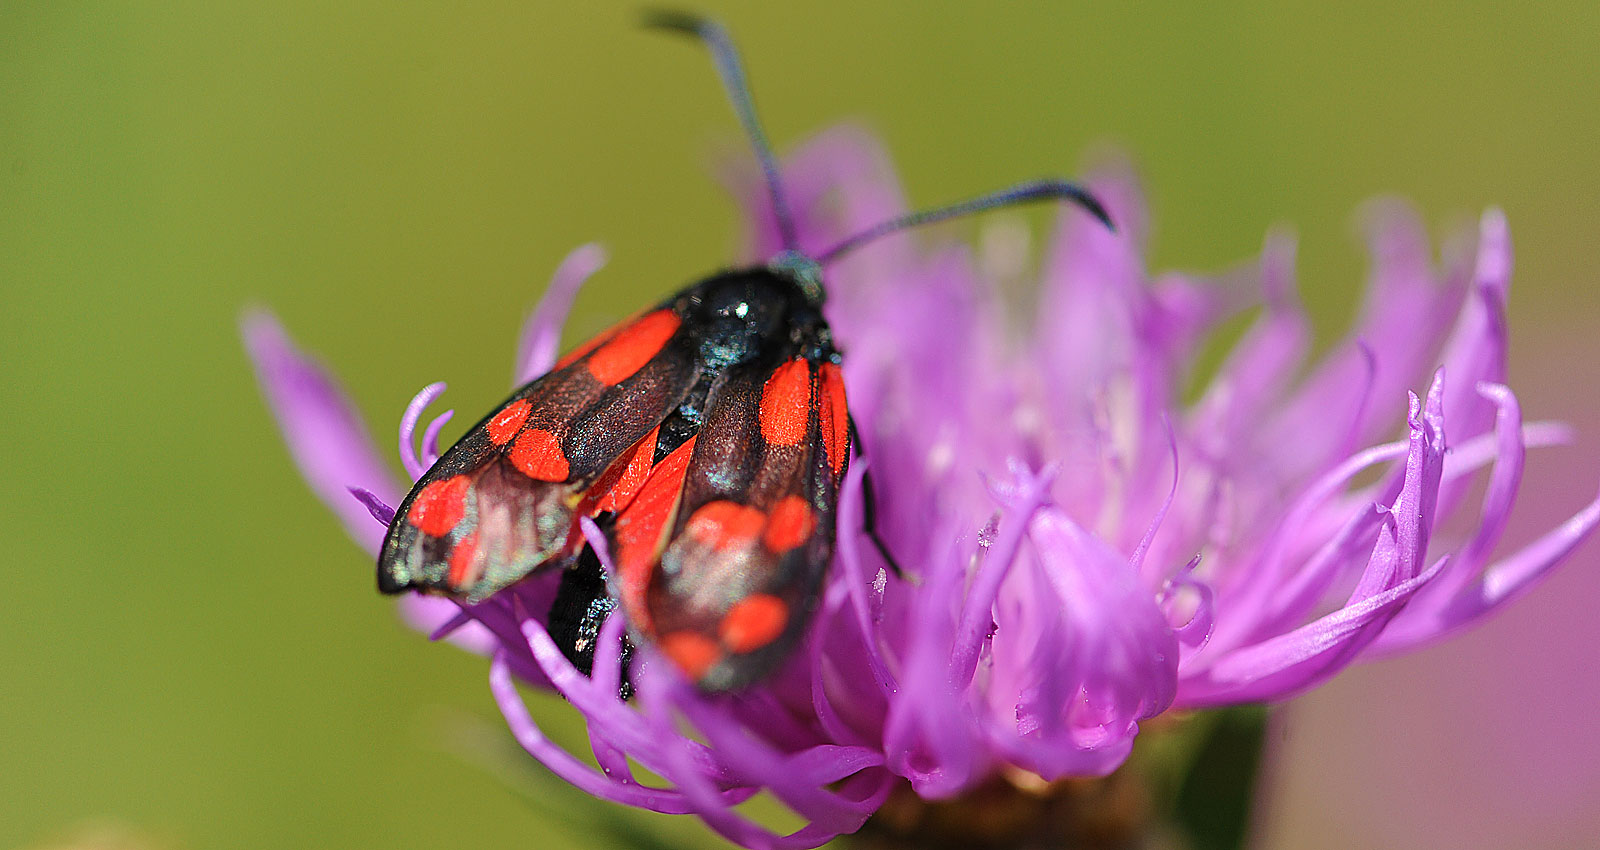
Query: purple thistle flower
x=1084 y=550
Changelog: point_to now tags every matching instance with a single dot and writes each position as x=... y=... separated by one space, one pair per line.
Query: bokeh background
x=192 y=654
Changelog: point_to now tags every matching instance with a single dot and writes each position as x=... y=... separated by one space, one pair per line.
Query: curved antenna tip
x=1092 y=206
x=652 y=17
x=1055 y=188
x=1022 y=193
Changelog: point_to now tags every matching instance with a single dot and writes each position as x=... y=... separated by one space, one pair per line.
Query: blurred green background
x=193 y=650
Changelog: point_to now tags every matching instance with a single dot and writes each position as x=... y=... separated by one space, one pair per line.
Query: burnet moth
x=707 y=438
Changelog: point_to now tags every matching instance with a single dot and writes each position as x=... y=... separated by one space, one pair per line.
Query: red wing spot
x=786 y=404
x=537 y=453
x=629 y=350
x=440 y=505
x=725 y=525
x=835 y=416
x=463 y=563
x=753 y=622
x=791 y=525
x=589 y=345
x=508 y=421
x=694 y=653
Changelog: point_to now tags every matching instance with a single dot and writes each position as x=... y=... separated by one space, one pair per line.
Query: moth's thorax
x=744 y=315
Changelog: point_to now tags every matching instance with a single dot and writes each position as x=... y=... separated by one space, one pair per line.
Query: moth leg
x=869 y=524
x=869 y=510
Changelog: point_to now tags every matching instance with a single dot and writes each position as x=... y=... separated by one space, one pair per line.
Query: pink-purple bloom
x=1094 y=530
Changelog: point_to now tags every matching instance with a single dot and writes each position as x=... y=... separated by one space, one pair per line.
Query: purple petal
x=1093 y=291
x=800 y=779
x=1279 y=666
x=374 y=505
x=1401 y=321
x=1290 y=663
x=1403 y=545
x=849 y=563
x=1258 y=368
x=1511 y=577
x=1195 y=632
x=1138 y=559
x=415 y=466
x=430 y=438
x=977 y=615
x=606 y=676
x=1497 y=501
x=1500 y=583
x=1092 y=657
x=1264 y=590
x=325 y=434
x=926 y=733
x=657 y=693
x=1476 y=351
x=541 y=335
x=563 y=763
x=1463 y=592
x=442 y=619
x=612 y=719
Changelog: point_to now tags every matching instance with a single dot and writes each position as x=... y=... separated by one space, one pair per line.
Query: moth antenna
x=726 y=57
x=1022 y=193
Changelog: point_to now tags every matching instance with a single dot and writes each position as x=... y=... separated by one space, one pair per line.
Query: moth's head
x=803 y=272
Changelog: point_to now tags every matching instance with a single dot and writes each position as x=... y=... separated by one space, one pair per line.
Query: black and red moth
x=706 y=437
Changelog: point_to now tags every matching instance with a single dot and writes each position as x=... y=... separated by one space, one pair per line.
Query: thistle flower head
x=1093 y=530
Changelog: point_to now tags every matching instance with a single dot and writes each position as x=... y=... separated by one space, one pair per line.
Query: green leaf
x=1216 y=796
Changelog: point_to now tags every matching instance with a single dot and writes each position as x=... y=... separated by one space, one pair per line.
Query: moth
x=707 y=438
